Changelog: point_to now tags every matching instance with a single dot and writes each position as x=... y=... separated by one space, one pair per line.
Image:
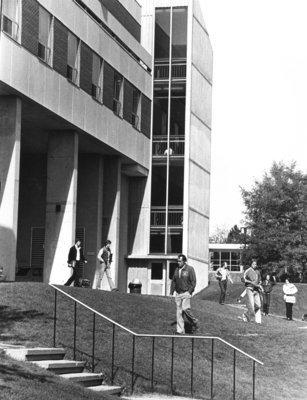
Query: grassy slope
x=26 y=318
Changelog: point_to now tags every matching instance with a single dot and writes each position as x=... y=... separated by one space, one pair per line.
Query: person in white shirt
x=223 y=276
x=290 y=291
x=105 y=258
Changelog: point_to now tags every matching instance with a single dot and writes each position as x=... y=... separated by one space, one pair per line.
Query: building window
x=157 y=271
x=73 y=59
x=136 y=96
x=11 y=18
x=233 y=259
x=97 y=78
x=117 y=93
x=45 y=36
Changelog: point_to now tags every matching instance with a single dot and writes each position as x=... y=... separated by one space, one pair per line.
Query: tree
x=219 y=236
x=276 y=213
x=235 y=235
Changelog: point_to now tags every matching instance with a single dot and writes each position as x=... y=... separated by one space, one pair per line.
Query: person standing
x=290 y=291
x=253 y=287
x=75 y=258
x=183 y=283
x=223 y=276
x=105 y=258
x=267 y=287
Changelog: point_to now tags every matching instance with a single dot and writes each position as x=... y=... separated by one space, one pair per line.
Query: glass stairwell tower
x=174 y=32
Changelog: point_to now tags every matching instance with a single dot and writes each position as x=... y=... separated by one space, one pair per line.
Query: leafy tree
x=276 y=213
x=219 y=236
x=235 y=235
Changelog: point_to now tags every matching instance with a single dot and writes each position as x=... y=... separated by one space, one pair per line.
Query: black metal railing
x=153 y=338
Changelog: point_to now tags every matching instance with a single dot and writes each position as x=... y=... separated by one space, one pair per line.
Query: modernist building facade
x=105 y=129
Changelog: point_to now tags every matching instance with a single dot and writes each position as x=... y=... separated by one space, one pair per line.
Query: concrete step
x=85 y=378
x=105 y=389
x=36 y=353
x=61 y=366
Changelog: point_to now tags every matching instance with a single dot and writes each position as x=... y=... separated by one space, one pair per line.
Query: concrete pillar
x=89 y=210
x=111 y=212
x=10 y=132
x=61 y=204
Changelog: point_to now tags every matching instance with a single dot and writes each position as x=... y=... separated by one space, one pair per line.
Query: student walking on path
x=105 y=258
x=223 y=276
x=75 y=258
x=183 y=283
x=253 y=287
x=290 y=291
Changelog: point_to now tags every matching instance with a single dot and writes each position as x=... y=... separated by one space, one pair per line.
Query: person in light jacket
x=253 y=288
x=223 y=276
x=183 y=285
x=290 y=291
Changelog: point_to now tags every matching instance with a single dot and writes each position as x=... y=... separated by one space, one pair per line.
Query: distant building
x=105 y=133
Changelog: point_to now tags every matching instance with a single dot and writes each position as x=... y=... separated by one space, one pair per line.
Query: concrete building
x=105 y=129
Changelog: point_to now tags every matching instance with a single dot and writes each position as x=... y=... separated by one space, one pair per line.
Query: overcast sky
x=259 y=95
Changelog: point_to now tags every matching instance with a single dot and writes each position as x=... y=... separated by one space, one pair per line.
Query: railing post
x=234 y=374
x=254 y=375
x=152 y=363
x=212 y=355
x=192 y=368
x=93 y=348
x=54 y=317
x=113 y=349
x=172 y=366
x=132 y=369
x=75 y=329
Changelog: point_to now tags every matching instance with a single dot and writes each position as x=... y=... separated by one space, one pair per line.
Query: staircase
x=52 y=359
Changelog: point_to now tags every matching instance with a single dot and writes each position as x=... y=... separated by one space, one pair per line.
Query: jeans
x=253 y=305
x=289 y=307
x=74 y=277
x=183 y=305
x=103 y=268
x=223 y=287
x=266 y=302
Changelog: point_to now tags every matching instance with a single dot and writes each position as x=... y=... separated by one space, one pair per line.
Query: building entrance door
x=160 y=277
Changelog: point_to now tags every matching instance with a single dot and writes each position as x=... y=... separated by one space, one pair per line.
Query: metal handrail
x=153 y=337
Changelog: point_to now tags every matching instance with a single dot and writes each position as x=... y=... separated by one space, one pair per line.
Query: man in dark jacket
x=183 y=283
x=75 y=258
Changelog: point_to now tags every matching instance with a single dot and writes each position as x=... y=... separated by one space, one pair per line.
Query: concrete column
x=111 y=211
x=89 y=210
x=10 y=132
x=61 y=204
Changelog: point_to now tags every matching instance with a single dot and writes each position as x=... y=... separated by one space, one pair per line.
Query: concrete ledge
x=36 y=353
x=61 y=366
x=105 y=389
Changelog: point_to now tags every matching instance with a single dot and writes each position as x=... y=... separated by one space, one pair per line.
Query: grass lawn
x=26 y=317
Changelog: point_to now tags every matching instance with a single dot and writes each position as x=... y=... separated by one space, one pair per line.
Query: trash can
x=135 y=286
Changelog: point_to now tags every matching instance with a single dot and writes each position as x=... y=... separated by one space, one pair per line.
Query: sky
x=259 y=105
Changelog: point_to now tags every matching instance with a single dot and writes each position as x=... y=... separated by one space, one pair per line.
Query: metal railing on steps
x=154 y=337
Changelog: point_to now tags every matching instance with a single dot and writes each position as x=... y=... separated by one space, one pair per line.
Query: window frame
x=118 y=99
x=71 y=69
x=17 y=35
x=97 y=90
x=48 y=59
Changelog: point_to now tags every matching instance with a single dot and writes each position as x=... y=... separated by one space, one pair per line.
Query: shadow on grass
x=10 y=316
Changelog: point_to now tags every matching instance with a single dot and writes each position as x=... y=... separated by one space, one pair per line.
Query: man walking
x=105 y=258
x=183 y=283
x=253 y=287
x=75 y=258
